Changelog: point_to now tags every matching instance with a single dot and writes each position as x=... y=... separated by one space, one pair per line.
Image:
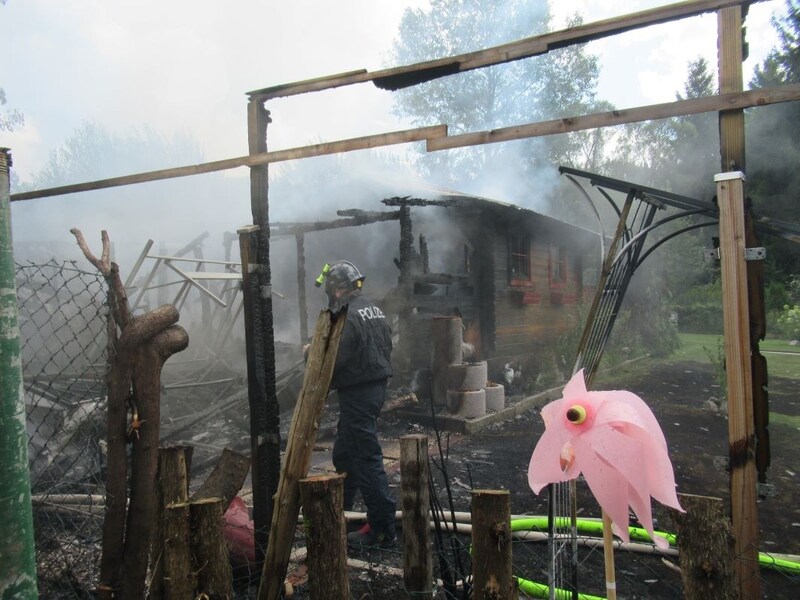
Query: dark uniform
x=360 y=377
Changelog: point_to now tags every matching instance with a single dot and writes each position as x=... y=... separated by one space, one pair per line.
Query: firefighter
x=360 y=377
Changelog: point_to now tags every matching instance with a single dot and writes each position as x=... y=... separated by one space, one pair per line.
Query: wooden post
x=730 y=54
x=741 y=440
x=417 y=559
x=214 y=575
x=323 y=520
x=491 y=546
x=264 y=410
x=256 y=390
x=299 y=448
x=705 y=549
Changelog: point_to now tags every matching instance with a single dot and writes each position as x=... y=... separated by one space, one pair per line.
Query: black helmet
x=341 y=275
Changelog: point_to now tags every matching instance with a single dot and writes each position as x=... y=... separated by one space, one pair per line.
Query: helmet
x=341 y=275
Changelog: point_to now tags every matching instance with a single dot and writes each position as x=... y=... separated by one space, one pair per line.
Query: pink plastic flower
x=613 y=438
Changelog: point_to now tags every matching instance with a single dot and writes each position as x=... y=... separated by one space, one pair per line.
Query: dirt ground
x=497 y=457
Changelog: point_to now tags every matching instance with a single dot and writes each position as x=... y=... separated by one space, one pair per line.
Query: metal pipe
x=17 y=555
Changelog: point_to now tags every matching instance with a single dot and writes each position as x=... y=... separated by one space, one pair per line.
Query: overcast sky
x=186 y=65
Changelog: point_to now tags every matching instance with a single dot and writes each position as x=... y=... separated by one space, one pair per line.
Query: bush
x=788 y=322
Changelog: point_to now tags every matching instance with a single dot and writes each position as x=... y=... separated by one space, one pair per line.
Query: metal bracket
x=755 y=253
x=749 y=253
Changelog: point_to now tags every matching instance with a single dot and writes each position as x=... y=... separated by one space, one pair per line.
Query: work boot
x=366 y=538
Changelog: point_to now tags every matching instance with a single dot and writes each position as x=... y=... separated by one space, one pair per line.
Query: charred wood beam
x=358 y=218
x=441 y=278
x=409 y=201
x=396 y=78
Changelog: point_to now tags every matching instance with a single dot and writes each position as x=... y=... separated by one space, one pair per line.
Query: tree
x=9 y=119
x=773 y=145
x=560 y=83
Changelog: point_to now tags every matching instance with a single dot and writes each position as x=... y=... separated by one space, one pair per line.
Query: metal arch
x=652 y=227
x=669 y=237
x=596 y=214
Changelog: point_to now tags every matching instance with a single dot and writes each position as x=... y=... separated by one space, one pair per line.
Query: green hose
x=639 y=534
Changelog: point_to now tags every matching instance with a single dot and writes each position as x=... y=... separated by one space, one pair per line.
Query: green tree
x=560 y=83
x=9 y=119
x=773 y=146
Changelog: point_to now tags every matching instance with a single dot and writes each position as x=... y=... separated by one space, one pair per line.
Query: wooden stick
x=608 y=555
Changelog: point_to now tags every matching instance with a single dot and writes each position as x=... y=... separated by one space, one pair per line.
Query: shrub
x=788 y=322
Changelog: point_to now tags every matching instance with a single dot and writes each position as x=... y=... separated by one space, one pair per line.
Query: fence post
x=417 y=560
x=491 y=546
x=17 y=556
x=323 y=520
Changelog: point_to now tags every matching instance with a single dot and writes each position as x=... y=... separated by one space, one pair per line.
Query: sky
x=186 y=65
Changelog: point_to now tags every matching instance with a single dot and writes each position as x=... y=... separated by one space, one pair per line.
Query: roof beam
x=732 y=100
x=401 y=77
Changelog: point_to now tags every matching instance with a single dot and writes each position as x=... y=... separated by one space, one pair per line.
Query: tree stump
x=705 y=549
x=322 y=497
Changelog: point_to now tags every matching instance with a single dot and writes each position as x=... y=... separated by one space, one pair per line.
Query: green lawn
x=783 y=360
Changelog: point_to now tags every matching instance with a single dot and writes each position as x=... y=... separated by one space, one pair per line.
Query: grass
x=783 y=360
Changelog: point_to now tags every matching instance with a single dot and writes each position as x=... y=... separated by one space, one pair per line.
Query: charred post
x=264 y=410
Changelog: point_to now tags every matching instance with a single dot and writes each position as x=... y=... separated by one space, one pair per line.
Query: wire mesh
x=62 y=317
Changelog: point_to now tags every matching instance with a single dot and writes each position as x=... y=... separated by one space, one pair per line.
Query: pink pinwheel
x=613 y=438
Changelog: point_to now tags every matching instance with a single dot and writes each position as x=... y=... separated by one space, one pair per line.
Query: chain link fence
x=62 y=322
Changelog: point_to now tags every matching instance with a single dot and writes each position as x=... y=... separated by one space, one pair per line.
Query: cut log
x=214 y=576
x=179 y=579
x=173 y=488
x=325 y=531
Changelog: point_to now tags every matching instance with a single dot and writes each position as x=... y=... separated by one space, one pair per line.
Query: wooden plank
x=728 y=101
x=730 y=56
x=361 y=143
x=400 y=77
x=299 y=448
x=736 y=329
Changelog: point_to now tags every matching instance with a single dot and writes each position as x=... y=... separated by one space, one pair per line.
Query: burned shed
x=514 y=276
